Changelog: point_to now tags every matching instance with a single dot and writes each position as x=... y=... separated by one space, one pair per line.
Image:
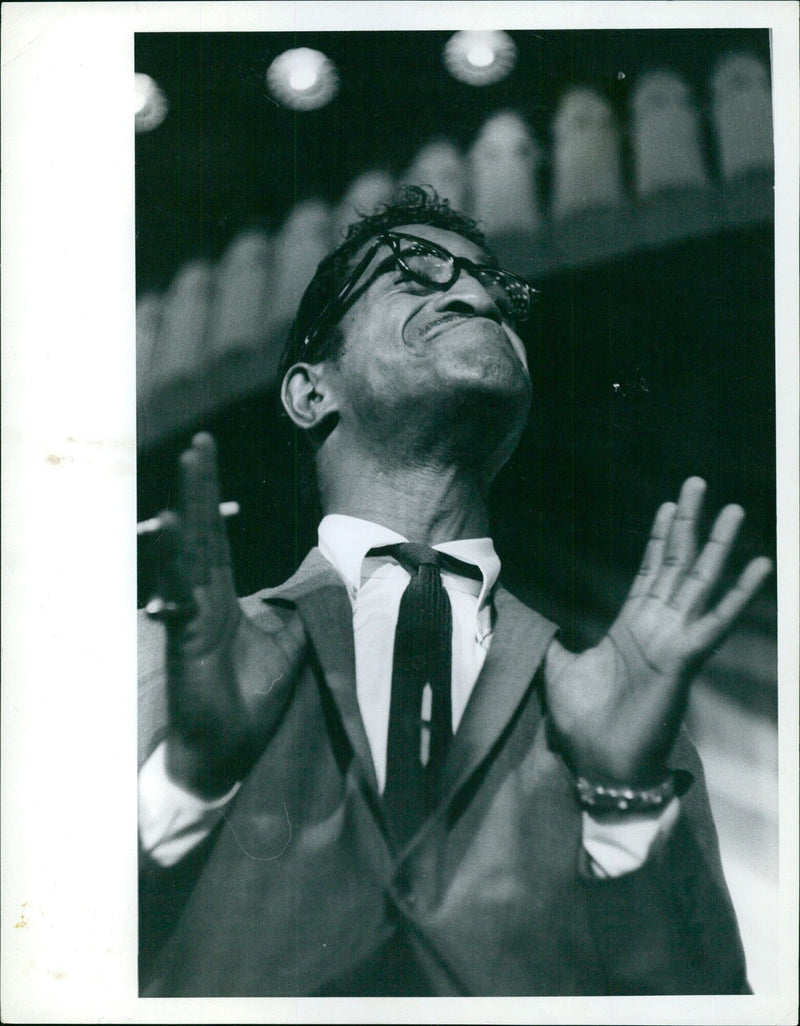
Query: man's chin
x=500 y=377
x=495 y=398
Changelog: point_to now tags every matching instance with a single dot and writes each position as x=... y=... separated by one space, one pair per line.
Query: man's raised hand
x=616 y=708
x=217 y=660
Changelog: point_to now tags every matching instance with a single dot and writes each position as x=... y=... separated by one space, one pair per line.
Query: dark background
x=228 y=156
x=647 y=367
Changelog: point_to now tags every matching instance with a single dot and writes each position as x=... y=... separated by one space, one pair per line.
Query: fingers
x=672 y=545
x=205 y=543
x=172 y=603
x=653 y=554
x=671 y=574
x=708 y=630
x=192 y=543
x=705 y=574
x=681 y=543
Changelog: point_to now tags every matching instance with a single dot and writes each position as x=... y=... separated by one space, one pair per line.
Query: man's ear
x=306 y=395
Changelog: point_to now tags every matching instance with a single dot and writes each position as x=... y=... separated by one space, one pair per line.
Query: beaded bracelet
x=605 y=798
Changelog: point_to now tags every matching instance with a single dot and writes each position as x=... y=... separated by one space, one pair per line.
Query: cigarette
x=154 y=524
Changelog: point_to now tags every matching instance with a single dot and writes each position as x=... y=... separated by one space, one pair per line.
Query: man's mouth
x=416 y=337
x=442 y=324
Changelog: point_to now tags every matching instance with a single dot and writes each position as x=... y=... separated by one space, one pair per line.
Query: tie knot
x=411 y=556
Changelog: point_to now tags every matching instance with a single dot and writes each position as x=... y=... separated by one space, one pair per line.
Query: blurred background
x=628 y=175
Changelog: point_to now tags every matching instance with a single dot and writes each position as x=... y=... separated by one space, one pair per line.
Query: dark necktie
x=420 y=718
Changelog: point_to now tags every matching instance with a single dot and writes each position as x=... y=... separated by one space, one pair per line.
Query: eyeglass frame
x=458 y=264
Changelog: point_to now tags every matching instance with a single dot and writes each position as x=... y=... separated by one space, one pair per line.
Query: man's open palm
x=221 y=706
x=617 y=708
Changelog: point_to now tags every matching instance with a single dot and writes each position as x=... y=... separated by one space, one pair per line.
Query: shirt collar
x=345 y=541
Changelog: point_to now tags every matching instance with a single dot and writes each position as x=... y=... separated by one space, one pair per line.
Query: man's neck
x=429 y=505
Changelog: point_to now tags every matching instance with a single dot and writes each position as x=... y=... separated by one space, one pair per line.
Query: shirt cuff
x=172 y=820
x=624 y=844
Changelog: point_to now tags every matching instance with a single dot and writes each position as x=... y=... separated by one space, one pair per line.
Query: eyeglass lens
x=437 y=267
x=433 y=266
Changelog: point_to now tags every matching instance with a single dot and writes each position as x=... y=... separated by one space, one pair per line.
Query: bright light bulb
x=303 y=79
x=480 y=56
x=149 y=103
x=142 y=86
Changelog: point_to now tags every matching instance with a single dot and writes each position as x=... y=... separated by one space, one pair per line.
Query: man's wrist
x=596 y=797
x=603 y=799
x=173 y=820
x=190 y=767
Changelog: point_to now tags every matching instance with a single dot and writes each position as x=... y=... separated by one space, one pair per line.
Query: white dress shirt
x=172 y=821
x=375 y=585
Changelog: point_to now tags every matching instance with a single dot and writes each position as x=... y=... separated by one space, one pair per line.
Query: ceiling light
x=480 y=58
x=303 y=79
x=150 y=103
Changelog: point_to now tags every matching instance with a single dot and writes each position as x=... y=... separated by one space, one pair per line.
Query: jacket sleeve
x=670 y=927
x=163 y=892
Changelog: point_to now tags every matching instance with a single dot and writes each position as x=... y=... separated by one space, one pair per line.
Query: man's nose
x=468 y=296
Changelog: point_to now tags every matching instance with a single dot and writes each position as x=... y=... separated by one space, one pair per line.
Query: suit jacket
x=300 y=890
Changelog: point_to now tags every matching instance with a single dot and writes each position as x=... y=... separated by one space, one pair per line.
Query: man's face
x=409 y=348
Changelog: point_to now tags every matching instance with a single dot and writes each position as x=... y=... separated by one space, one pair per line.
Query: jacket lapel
x=320 y=597
x=520 y=640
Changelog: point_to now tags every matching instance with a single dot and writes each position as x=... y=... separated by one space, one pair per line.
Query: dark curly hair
x=412 y=204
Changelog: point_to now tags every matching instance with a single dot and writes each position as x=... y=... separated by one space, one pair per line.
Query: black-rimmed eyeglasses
x=433 y=267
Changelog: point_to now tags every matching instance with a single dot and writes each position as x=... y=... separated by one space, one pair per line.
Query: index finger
x=205 y=544
x=654 y=553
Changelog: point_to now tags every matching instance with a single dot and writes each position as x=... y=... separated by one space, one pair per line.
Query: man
x=388 y=776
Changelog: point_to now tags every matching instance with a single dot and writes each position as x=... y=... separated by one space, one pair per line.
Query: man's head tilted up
x=405 y=372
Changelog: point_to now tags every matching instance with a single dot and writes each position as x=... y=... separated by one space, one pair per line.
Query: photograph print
x=457 y=502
